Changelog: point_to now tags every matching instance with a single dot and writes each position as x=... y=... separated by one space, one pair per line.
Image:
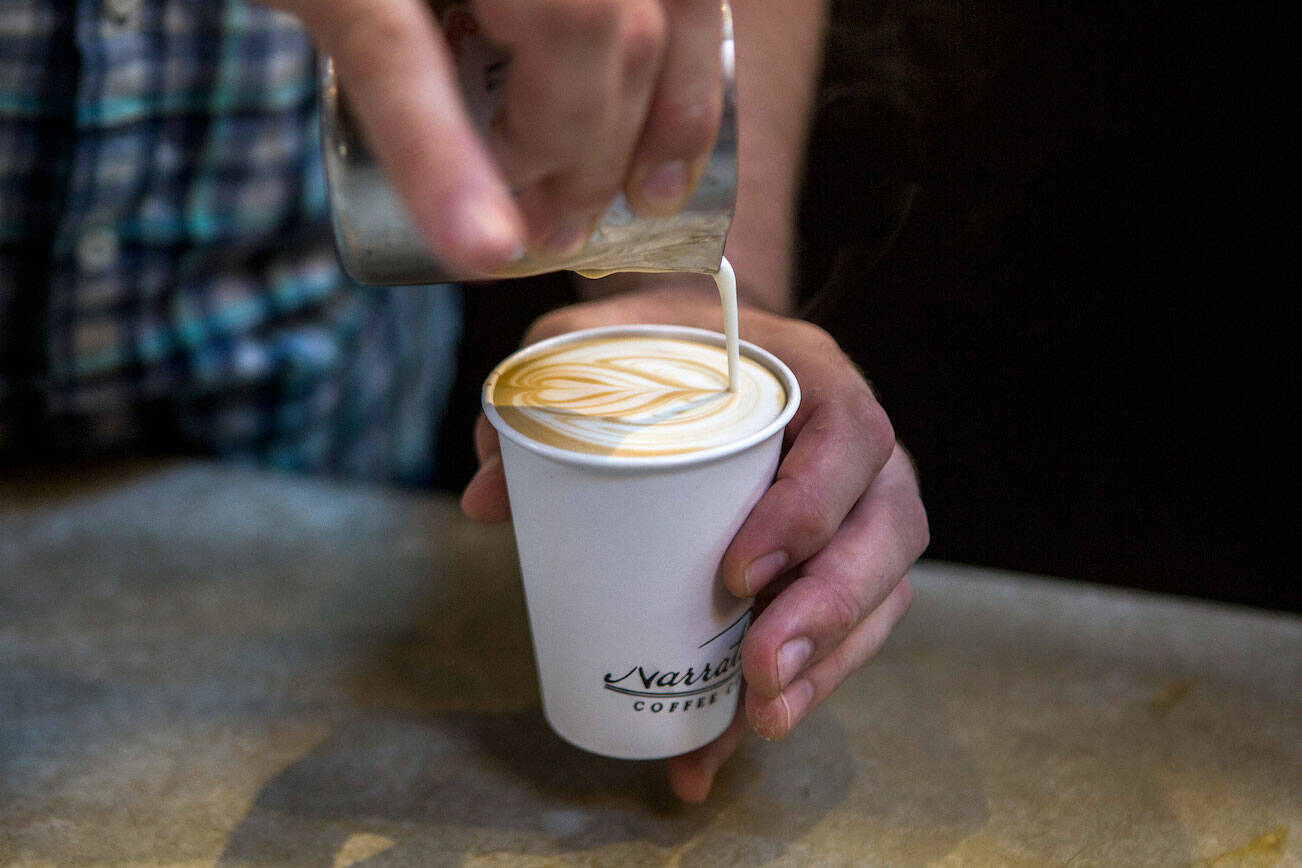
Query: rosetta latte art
x=634 y=396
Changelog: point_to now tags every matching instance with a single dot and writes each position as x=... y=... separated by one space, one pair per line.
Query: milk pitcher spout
x=377 y=243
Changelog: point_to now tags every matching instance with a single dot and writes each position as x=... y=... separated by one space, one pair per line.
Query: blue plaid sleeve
x=166 y=271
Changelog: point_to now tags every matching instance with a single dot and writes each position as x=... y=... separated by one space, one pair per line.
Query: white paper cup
x=636 y=638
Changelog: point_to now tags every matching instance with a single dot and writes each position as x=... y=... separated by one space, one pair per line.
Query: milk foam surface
x=634 y=396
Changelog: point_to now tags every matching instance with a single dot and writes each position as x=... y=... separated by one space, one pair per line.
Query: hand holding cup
x=844 y=517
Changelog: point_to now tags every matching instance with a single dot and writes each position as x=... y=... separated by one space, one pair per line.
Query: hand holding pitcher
x=602 y=98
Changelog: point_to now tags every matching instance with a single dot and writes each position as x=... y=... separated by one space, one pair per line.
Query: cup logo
x=716 y=672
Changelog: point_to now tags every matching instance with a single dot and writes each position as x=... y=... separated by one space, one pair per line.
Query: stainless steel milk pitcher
x=378 y=245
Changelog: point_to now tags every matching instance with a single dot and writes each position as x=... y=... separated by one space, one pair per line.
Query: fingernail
x=665 y=185
x=792 y=658
x=797 y=698
x=763 y=570
x=568 y=236
x=493 y=229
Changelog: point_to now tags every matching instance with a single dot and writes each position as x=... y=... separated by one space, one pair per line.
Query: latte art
x=634 y=396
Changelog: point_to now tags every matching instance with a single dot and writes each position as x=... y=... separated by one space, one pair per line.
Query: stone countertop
x=205 y=665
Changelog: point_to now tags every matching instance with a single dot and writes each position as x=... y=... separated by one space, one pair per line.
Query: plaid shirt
x=166 y=270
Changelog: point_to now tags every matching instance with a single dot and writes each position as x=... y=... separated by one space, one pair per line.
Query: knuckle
x=817 y=342
x=587 y=17
x=871 y=419
x=806 y=516
x=840 y=605
x=644 y=32
x=689 y=124
x=916 y=530
x=859 y=427
x=905 y=590
x=816 y=336
x=921 y=526
x=908 y=515
x=857 y=414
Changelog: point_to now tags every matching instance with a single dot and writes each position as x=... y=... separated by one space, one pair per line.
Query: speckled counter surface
x=203 y=665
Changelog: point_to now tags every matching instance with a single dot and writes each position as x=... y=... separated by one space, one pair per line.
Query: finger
x=683 y=119
x=393 y=65
x=575 y=100
x=487 y=445
x=561 y=86
x=841 y=586
x=485 y=498
x=692 y=774
x=774 y=718
x=836 y=450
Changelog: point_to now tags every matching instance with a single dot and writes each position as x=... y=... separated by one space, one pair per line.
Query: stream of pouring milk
x=726 y=281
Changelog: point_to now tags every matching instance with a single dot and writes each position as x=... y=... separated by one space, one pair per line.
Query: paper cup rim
x=651 y=462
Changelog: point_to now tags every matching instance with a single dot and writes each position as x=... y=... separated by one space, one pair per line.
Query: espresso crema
x=634 y=396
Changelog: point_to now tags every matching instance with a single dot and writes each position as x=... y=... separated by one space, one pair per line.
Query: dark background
x=1057 y=237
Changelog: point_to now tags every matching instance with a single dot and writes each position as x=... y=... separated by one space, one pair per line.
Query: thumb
x=692 y=775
